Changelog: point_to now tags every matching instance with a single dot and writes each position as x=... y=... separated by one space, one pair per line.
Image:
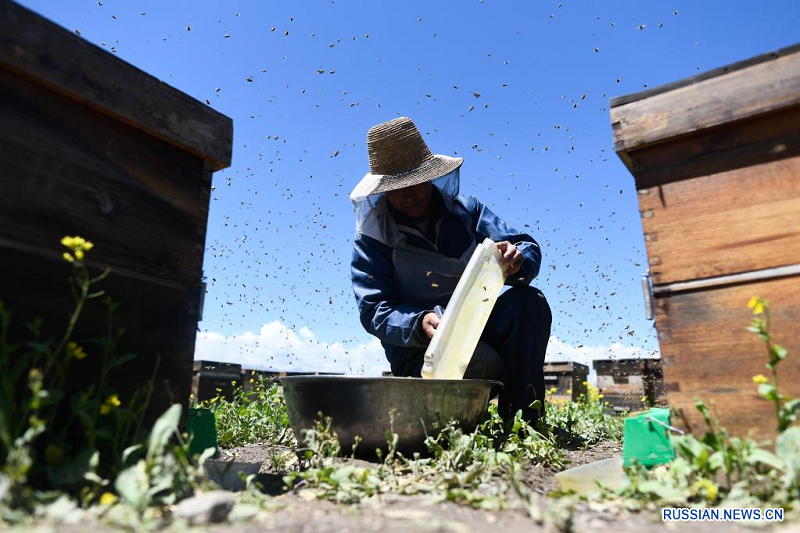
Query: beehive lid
x=565 y=367
x=644 y=123
x=36 y=48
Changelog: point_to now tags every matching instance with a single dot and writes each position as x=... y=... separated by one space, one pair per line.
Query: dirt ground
x=297 y=511
x=292 y=512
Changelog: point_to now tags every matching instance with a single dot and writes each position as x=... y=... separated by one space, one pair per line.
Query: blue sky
x=520 y=90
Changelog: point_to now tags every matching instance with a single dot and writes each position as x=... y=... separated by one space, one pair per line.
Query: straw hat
x=399 y=157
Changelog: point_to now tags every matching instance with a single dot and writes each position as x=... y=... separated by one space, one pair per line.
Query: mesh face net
x=372 y=217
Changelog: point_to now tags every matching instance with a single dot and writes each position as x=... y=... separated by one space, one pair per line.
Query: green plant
x=38 y=441
x=160 y=474
x=469 y=468
x=720 y=469
x=257 y=415
x=76 y=444
x=716 y=468
x=786 y=407
x=583 y=422
x=323 y=472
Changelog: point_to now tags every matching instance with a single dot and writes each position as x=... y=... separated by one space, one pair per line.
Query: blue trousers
x=511 y=350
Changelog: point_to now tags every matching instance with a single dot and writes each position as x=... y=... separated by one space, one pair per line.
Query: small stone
x=208 y=508
x=308 y=495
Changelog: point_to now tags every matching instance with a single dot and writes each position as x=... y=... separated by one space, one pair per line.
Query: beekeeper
x=414 y=237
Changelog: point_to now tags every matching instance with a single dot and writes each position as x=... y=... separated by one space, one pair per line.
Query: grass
x=584 y=422
x=257 y=415
x=479 y=468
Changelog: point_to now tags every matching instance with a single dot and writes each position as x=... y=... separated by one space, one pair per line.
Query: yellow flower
x=705 y=487
x=78 y=245
x=110 y=403
x=759 y=379
x=68 y=257
x=569 y=391
x=108 y=499
x=75 y=350
x=756 y=304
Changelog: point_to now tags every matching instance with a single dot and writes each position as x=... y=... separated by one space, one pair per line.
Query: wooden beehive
x=567 y=377
x=716 y=160
x=212 y=379
x=92 y=146
x=630 y=384
x=654 y=388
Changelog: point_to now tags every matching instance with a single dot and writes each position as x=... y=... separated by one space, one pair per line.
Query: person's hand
x=429 y=324
x=510 y=258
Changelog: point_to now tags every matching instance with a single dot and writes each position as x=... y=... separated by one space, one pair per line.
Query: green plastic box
x=647 y=438
x=202 y=428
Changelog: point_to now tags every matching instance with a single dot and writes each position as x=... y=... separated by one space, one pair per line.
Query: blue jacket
x=397 y=323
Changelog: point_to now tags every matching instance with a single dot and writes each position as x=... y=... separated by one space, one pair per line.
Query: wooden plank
x=567 y=367
x=691 y=80
x=725 y=223
x=769 y=137
x=619 y=367
x=34 y=47
x=707 y=352
x=611 y=385
x=744 y=93
x=216 y=367
x=72 y=170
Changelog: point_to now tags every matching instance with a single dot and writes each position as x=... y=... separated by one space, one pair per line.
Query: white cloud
x=277 y=347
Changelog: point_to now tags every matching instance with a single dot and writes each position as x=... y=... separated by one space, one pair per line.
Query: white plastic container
x=584 y=479
x=466 y=315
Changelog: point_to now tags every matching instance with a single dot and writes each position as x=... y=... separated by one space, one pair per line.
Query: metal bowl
x=360 y=406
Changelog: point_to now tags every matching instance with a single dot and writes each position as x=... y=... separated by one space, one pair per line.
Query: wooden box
x=211 y=379
x=654 y=388
x=92 y=146
x=629 y=384
x=716 y=160
x=568 y=378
